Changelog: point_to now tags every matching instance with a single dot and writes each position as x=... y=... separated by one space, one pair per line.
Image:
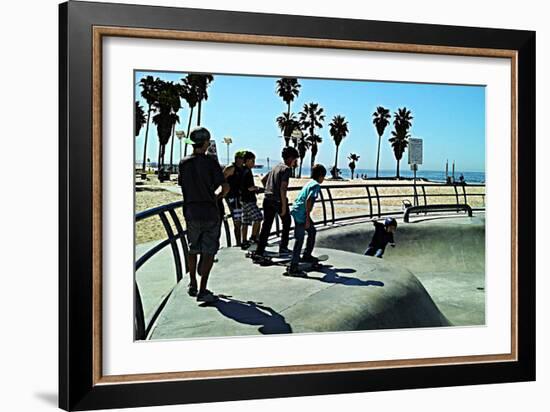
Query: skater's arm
x=309 y=207
x=392 y=242
x=224 y=191
x=264 y=180
x=284 y=200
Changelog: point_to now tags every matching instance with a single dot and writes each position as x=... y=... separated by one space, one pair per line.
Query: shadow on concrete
x=332 y=276
x=252 y=313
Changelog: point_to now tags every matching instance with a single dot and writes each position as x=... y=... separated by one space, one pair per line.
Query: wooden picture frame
x=82 y=27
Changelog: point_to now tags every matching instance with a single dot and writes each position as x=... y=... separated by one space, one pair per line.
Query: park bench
x=436 y=208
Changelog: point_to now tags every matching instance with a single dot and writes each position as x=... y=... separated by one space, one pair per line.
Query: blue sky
x=450 y=119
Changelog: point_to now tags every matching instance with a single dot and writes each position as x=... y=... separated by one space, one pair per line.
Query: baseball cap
x=198 y=135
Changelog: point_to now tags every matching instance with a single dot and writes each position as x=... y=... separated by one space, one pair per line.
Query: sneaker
x=295 y=271
x=261 y=259
x=206 y=296
x=309 y=259
x=192 y=290
x=284 y=251
x=245 y=245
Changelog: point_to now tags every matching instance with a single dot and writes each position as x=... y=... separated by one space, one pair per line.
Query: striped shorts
x=251 y=213
x=235 y=207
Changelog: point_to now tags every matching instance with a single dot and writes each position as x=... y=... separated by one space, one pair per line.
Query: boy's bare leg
x=237 y=232
x=245 y=233
x=205 y=265
x=192 y=261
x=256 y=230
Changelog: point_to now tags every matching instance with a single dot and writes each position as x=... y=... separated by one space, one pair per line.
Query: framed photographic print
x=257 y=205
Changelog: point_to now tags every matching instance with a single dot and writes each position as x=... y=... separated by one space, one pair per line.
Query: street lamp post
x=296 y=137
x=227 y=140
x=180 y=134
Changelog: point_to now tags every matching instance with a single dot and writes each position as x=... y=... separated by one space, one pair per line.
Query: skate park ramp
x=353 y=292
x=446 y=254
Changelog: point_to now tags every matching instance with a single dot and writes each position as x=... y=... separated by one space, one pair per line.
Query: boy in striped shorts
x=252 y=215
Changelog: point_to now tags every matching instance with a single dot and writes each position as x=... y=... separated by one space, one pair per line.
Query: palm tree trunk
x=172 y=148
x=158 y=162
x=188 y=129
x=300 y=171
x=398 y=170
x=146 y=135
x=313 y=155
x=378 y=156
x=287 y=138
x=199 y=116
x=352 y=170
x=336 y=161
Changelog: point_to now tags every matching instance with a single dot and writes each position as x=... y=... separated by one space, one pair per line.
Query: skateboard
x=304 y=266
x=270 y=255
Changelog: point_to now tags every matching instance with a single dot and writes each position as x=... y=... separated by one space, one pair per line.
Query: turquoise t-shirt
x=309 y=191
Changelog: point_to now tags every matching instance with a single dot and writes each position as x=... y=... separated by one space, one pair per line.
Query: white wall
x=28 y=292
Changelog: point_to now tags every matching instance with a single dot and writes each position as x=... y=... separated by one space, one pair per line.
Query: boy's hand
x=308 y=223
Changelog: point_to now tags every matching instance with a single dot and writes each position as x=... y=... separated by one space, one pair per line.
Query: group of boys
x=204 y=185
x=242 y=202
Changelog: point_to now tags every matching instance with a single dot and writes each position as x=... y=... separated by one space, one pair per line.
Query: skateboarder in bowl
x=301 y=212
x=383 y=234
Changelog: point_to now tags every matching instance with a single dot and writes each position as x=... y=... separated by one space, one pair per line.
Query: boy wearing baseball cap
x=200 y=176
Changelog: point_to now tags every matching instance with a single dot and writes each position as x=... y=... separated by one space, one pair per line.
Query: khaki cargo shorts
x=203 y=236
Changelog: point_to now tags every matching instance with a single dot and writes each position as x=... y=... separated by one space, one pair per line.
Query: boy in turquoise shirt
x=301 y=212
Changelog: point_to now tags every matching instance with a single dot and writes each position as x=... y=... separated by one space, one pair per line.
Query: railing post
x=370 y=199
x=173 y=244
x=182 y=237
x=331 y=204
x=324 y=207
x=227 y=231
x=424 y=195
x=139 y=318
x=456 y=194
x=377 y=200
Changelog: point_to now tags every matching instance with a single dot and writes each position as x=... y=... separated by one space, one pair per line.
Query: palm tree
x=303 y=145
x=311 y=117
x=287 y=123
x=177 y=90
x=381 y=120
x=314 y=141
x=140 y=119
x=199 y=84
x=352 y=158
x=168 y=105
x=338 y=130
x=400 y=135
x=288 y=88
x=149 y=89
x=190 y=94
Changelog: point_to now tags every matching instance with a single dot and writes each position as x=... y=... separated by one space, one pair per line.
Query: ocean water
x=431 y=175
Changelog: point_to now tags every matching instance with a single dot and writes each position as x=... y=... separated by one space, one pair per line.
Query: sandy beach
x=151 y=194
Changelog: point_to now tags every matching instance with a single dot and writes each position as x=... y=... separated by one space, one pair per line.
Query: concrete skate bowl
x=447 y=255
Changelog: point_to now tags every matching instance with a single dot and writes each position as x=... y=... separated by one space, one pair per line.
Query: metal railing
x=177 y=240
